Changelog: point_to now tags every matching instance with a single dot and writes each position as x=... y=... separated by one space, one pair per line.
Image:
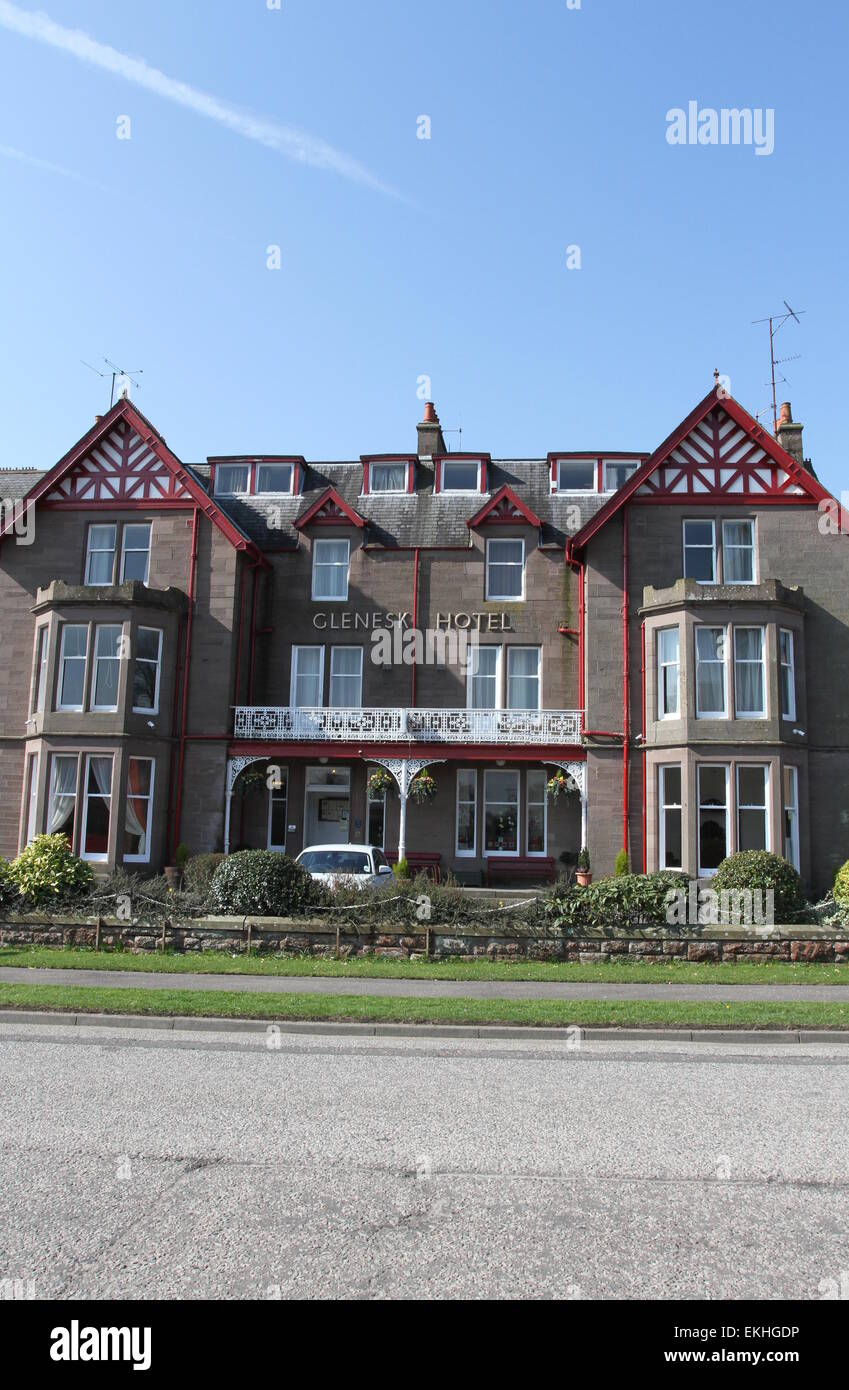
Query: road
x=143 y=1165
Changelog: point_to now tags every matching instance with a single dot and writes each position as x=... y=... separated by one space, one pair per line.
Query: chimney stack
x=430 y=433
x=789 y=435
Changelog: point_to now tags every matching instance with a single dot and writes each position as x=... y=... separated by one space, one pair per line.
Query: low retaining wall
x=403 y=942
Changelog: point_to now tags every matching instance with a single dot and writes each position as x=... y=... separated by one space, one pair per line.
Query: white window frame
x=100 y=550
x=273 y=491
x=739 y=521
x=702 y=872
x=699 y=521
x=489 y=593
x=136 y=549
x=51 y=788
x=95 y=858
x=228 y=492
x=460 y=491
x=66 y=628
x=663 y=807
x=301 y=647
x=709 y=627
x=96 y=659
x=38 y=698
x=502 y=853
x=141 y=858
x=473 y=852
x=593 y=462
x=278 y=794
x=389 y=491
x=328 y=564
x=791 y=812
x=331 y=703
x=631 y=464
x=749 y=627
x=523 y=647
x=472 y=676
x=31 y=789
x=661 y=667
x=536 y=853
x=789 y=666
x=748 y=806
x=142 y=709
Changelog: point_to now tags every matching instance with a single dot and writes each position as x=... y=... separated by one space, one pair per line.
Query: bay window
x=39 y=678
x=791 y=817
x=62 y=799
x=523 y=683
x=138 y=818
x=146 y=670
x=752 y=807
x=107 y=665
x=330 y=570
x=711 y=694
x=97 y=798
x=749 y=683
x=787 y=672
x=713 y=827
x=671 y=830
x=668 y=675
x=505 y=569
x=73 y=653
x=32 y=796
x=501 y=812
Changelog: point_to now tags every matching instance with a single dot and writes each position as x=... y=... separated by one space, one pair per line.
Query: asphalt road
x=422 y=989
x=145 y=1166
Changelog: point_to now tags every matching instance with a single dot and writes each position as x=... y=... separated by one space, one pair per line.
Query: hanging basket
x=423 y=787
x=381 y=783
x=252 y=780
x=559 y=785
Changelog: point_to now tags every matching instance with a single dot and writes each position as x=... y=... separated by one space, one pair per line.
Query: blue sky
x=405 y=257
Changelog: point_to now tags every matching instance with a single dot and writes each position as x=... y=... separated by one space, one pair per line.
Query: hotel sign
x=346 y=621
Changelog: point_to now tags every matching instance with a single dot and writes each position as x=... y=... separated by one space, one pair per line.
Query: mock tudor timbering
x=222 y=654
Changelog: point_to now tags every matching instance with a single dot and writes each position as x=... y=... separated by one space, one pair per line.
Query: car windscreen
x=335 y=861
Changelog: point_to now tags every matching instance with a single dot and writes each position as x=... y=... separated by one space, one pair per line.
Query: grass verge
x=367 y=1008
x=369 y=967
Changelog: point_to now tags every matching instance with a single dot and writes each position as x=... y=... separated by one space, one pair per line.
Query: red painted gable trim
x=505 y=492
x=329 y=495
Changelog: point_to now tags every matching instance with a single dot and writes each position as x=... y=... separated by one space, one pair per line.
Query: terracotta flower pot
x=584 y=877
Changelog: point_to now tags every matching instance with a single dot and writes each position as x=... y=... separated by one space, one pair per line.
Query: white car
x=354 y=866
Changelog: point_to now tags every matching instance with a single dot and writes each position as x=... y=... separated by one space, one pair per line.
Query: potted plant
x=559 y=785
x=423 y=787
x=380 y=784
x=582 y=872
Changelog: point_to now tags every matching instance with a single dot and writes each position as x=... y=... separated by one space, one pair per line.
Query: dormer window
x=616 y=474
x=387 y=476
x=232 y=479
x=460 y=475
x=576 y=475
x=257 y=477
x=274 y=477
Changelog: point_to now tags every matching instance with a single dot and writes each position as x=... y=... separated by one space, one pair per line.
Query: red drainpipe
x=186 y=659
x=415 y=622
x=578 y=566
x=626 y=677
x=643 y=739
x=239 y=636
x=257 y=564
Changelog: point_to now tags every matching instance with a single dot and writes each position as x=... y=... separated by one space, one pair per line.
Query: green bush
x=46 y=871
x=262 y=882
x=401 y=869
x=8 y=888
x=759 y=869
x=622 y=866
x=841 y=885
x=628 y=901
x=182 y=856
x=199 y=871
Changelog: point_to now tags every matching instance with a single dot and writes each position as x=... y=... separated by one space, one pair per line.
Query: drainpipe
x=239 y=635
x=643 y=739
x=186 y=660
x=626 y=678
x=578 y=567
x=415 y=625
x=256 y=567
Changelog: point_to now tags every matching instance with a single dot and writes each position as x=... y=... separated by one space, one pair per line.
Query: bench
x=420 y=861
x=520 y=866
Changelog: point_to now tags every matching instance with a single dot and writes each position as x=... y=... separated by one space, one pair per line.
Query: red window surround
x=483 y=474
x=409 y=459
x=297 y=461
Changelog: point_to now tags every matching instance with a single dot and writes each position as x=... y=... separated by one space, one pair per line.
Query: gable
x=121 y=467
x=504 y=507
x=719 y=460
x=330 y=510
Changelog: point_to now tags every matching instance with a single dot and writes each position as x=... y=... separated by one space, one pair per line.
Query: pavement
x=143 y=1164
x=421 y=989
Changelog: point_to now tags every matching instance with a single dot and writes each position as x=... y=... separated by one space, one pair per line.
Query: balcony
x=465 y=726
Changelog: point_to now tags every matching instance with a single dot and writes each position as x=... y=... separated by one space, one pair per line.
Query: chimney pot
x=785 y=413
x=430 y=439
x=430 y=415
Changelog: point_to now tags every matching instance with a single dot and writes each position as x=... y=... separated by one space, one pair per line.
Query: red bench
x=421 y=861
x=520 y=866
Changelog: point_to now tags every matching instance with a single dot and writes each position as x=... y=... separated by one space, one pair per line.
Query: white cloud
x=9 y=152
x=286 y=140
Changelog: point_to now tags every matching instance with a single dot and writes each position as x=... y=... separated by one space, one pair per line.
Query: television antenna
x=458 y=430
x=775 y=322
x=117 y=373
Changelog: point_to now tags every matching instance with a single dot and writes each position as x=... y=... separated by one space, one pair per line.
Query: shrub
x=622 y=866
x=759 y=869
x=262 y=882
x=401 y=869
x=583 y=861
x=841 y=885
x=8 y=888
x=46 y=871
x=182 y=856
x=629 y=901
x=198 y=873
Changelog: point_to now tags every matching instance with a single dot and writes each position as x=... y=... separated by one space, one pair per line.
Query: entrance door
x=327 y=811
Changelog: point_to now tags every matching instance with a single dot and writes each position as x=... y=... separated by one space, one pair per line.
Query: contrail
x=9 y=152
x=286 y=140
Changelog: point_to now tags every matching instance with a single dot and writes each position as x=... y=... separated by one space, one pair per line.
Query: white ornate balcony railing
x=401 y=725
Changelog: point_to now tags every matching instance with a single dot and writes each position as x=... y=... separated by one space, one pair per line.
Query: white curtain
x=523 y=678
x=62 y=792
x=710 y=669
x=346 y=677
x=101 y=770
x=748 y=650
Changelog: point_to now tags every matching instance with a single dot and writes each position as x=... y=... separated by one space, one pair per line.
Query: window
x=307 y=677
x=94 y=837
x=100 y=554
x=576 y=475
x=535 y=818
x=791 y=817
x=135 y=552
x=668 y=671
x=32 y=796
x=501 y=819
x=376 y=818
x=713 y=817
x=137 y=810
x=738 y=552
x=749 y=682
x=711 y=702
x=617 y=474
x=39 y=680
x=330 y=570
x=72 y=659
x=232 y=478
x=523 y=677
x=346 y=677
x=107 y=665
x=671 y=833
x=459 y=475
x=278 y=812
x=482 y=679
x=700 y=551
x=274 y=477
x=387 y=477
x=787 y=673
x=505 y=569
x=752 y=815
x=467 y=811
x=146 y=670
x=62 y=806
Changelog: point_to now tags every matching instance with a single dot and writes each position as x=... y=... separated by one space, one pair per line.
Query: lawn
x=369 y=967
x=365 y=1008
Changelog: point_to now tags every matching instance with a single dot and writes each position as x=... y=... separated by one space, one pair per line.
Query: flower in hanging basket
x=559 y=785
x=381 y=783
x=252 y=780
x=423 y=787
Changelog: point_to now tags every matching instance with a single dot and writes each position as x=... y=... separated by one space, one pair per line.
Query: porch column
x=235 y=766
x=577 y=772
x=404 y=770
